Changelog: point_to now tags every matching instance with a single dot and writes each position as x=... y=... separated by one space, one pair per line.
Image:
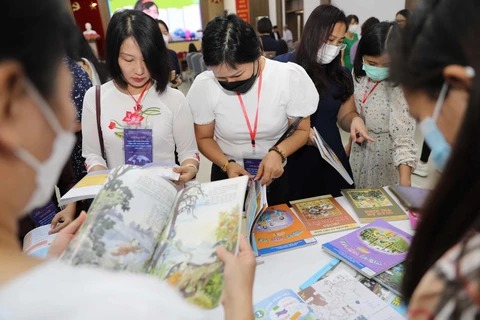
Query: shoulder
x=201 y=83
x=172 y=53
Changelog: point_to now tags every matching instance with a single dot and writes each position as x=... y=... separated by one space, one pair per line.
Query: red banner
x=243 y=10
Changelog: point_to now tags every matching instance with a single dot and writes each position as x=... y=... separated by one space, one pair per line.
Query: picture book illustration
x=373 y=248
x=140 y=223
x=323 y=215
x=392 y=278
x=283 y=305
x=279 y=229
x=37 y=242
x=371 y=204
x=391 y=298
x=341 y=296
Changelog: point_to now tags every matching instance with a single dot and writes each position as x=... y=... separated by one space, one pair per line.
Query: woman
x=148 y=7
x=37 y=96
x=319 y=54
x=402 y=17
x=392 y=157
x=370 y=22
x=264 y=28
x=442 y=279
x=138 y=102
x=245 y=104
x=351 y=37
x=175 y=78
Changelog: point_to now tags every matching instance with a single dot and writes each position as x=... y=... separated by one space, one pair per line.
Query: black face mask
x=242 y=86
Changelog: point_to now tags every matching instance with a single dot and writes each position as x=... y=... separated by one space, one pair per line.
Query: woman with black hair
x=319 y=54
x=245 y=103
x=264 y=28
x=370 y=22
x=175 y=78
x=402 y=17
x=351 y=37
x=148 y=7
x=138 y=103
x=442 y=278
x=392 y=157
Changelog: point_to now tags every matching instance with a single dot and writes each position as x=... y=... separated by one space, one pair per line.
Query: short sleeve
x=198 y=100
x=402 y=130
x=303 y=95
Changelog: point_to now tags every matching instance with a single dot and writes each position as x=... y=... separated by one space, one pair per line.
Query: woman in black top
x=264 y=29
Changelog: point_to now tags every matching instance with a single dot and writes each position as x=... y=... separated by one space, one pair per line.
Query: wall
x=272 y=9
x=364 y=9
x=230 y=6
x=210 y=10
x=308 y=7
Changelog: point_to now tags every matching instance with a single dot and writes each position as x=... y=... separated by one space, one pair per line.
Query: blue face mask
x=441 y=150
x=375 y=73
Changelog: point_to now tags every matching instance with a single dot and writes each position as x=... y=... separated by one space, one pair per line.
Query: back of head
x=316 y=33
x=33 y=36
x=144 y=5
x=231 y=41
x=282 y=47
x=264 y=25
x=374 y=43
x=131 y=23
x=370 y=22
x=440 y=34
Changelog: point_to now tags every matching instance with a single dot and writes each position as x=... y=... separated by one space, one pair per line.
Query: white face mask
x=166 y=39
x=328 y=53
x=353 y=28
x=47 y=172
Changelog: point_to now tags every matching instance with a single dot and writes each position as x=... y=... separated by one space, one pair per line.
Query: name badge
x=43 y=216
x=138 y=146
x=251 y=162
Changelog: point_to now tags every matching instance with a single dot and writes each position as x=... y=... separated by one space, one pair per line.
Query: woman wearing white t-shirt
x=245 y=103
x=138 y=103
x=35 y=94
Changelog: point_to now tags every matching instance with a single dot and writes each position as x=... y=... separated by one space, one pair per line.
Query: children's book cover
x=340 y=296
x=372 y=249
x=392 y=278
x=371 y=204
x=279 y=229
x=323 y=215
x=283 y=305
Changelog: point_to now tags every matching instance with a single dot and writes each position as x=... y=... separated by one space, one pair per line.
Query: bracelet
x=280 y=152
x=225 y=165
x=192 y=166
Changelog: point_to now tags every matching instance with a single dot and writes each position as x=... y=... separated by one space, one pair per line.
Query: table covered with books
x=291 y=269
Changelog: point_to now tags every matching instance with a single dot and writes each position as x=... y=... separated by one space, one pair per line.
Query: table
x=288 y=270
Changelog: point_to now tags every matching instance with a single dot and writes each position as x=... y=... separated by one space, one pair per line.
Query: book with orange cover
x=279 y=229
x=323 y=215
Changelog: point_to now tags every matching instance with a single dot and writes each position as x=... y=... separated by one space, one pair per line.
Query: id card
x=44 y=216
x=251 y=162
x=138 y=146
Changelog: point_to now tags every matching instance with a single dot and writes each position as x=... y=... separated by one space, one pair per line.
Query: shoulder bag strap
x=99 y=114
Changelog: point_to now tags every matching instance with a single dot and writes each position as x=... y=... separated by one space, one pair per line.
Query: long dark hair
x=453 y=208
x=145 y=30
x=230 y=40
x=370 y=22
x=374 y=43
x=78 y=48
x=317 y=30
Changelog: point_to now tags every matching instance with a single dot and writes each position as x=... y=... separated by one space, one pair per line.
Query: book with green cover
x=372 y=204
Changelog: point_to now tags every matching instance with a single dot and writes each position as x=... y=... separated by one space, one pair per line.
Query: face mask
x=441 y=150
x=328 y=53
x=47 y=172
x=375 y=73
x=242 y=86
x=353 y=28
x=166 y=39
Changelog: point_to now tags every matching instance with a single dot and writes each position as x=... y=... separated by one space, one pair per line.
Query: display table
x=288 y=270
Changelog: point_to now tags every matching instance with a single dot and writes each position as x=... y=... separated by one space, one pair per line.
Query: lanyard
x=253 y=133
x=367 y=94
x=138 y=106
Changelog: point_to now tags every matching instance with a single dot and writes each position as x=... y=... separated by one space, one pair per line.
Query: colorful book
x=411 y=197
x=371 y=204
x=141 y=223
x=341 y=296
x=323 y=215
x=279 y=229
x=372 y=249
x=392 y=278
x=37 y=242
x=284 y=304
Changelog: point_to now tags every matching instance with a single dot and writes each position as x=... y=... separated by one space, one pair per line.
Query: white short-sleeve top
x=167 y=114
x=287 y=92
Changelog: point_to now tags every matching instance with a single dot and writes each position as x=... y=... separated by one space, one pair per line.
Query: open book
x=139 y=222
x=92 y=183
x=330 y=157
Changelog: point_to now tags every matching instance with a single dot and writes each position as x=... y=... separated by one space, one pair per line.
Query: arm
x=349 y=120
x=343 y=56
x=91 y=150
x=210 y=149
x=402 y=130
